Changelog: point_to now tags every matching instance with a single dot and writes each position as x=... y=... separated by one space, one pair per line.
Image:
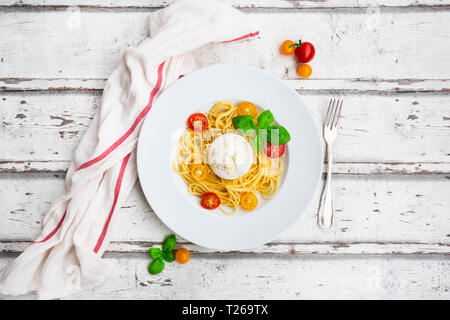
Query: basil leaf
x=265 y=119
x=156 y=266
x=155 y=253
x=259 y=141
x=169 y=243
x=244 y=123
x=279 y=133
x=168 y=256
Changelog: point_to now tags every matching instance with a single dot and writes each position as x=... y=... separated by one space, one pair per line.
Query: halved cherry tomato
x=199 y=171
x=305 y=52
x=274 y=151
x=249 y=201
x=246 y=108
x=200 y=117
x=304 y=70
x=182 y=255
x=210 y=201
x=287 y=47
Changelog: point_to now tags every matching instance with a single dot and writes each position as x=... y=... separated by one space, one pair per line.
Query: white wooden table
x=388 y=59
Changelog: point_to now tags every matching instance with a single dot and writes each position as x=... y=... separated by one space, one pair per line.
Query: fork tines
x=333 y=113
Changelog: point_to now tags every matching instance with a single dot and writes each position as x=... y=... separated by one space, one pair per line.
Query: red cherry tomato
x=305 y=52
x=274 y=151
x=210 y=201
x=200 y=117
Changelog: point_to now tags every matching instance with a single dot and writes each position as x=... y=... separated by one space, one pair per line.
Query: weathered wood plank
x=404 y=134
x=354 y=168
x=373 y=214
x=304 y=85
x=391 y=45
x=274 y=277
x=290 y=4
x=331 y=248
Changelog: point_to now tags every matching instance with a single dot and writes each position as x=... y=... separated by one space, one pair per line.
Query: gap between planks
x=313 y=248
x=267 y=4
x=348 y=168
x=325 y=85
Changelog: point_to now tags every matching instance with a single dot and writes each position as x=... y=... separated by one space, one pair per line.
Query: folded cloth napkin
x=66 y=257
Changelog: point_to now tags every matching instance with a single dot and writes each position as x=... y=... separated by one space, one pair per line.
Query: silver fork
x=325 y=214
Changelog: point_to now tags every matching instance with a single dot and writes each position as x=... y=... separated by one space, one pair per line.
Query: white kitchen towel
x=66 y=257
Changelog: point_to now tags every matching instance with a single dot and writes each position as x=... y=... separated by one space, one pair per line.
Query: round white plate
x=166 y=191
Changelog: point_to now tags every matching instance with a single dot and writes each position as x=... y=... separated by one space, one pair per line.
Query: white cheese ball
x=230 y=156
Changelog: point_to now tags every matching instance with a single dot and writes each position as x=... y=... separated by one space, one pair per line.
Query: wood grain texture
x=274 y=277
x=347 y=168
x=402 y=134
x=301 y=85
x=397 y=47
x=390 y=64
x=271 y=4
x=374 y=214
x=306 y=248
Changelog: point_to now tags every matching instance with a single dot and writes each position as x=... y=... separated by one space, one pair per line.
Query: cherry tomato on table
x=199 y=171
x=182 y=255
x=304 y=70
x=249 y=201
x=304 y=52
x=197 y=118
x=210 y=201
x=275 y=151
x=287 y=47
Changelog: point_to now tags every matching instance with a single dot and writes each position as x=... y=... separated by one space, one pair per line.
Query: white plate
x=166 y=191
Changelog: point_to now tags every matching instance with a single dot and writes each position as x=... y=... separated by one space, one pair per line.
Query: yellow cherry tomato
x=182 y=255
x=249 y=201
x=199 y=171
x=304 y=70
x=286 y=48
x=247 y=108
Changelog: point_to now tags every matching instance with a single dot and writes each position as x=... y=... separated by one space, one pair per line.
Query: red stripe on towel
x=253 y=34
x=136 y=122
x=116 y=196
x=51 y=234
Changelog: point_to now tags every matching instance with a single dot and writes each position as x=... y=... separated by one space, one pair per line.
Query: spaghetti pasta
x=263 y=176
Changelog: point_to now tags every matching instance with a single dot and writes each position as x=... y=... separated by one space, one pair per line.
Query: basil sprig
x=278 y=135
x=159 y=256
x=168 y=256
x=265 y=119
x=156 y=266
x=244 y=123
x=155 y=253
x=169 y=243
x=264 y=130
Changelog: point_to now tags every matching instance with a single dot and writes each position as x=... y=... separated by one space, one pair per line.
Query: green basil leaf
x=169 y=243
x=244 y=123
x=265 y=119
x=155 y=253
x=168 y=256
x=156 y=266
x=279 y=133
x=259 y=141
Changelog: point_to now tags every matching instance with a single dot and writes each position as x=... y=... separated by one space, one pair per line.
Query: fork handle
x=325 y=214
